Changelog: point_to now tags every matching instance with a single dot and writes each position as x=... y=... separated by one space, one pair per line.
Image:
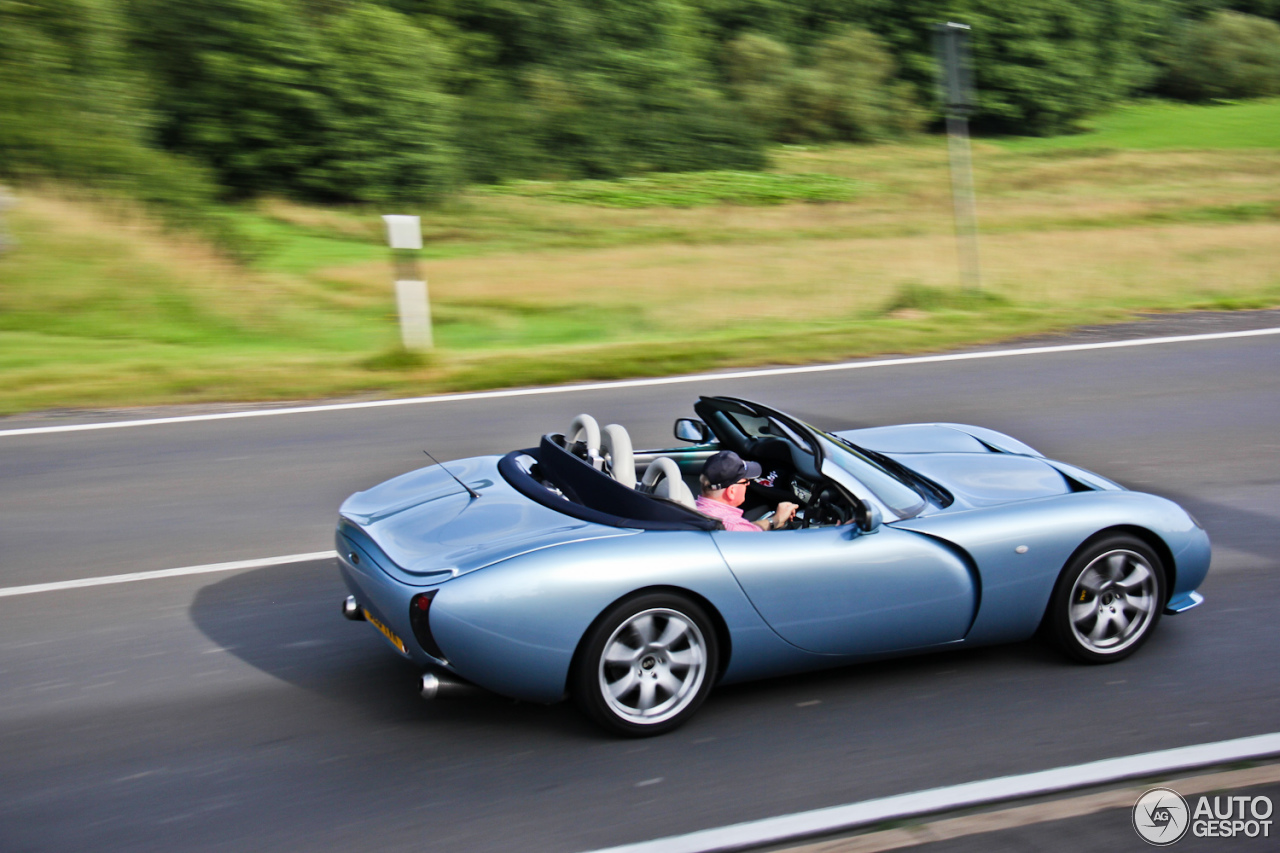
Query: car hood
x=936 y=438
x=980 y=467
x=988 y=479
x=430 y=529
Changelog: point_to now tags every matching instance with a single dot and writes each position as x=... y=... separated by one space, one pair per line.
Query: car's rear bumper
x=384 y=600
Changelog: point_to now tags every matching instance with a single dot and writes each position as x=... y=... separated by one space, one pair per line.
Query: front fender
x=1016 y=586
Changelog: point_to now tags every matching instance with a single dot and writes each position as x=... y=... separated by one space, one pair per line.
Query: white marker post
x=404 y=234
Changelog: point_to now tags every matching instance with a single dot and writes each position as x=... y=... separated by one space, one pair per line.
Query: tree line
x=404 y=101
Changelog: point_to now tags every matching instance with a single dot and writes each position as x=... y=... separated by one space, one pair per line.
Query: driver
x=724 y=487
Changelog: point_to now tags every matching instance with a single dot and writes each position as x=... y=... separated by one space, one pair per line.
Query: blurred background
x=607 y=189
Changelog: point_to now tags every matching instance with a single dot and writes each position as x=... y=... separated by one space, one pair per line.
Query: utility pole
x=404 y=234
x=955 y=83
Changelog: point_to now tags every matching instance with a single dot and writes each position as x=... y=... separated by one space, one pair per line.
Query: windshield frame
x=858 y=471
x=874 y=477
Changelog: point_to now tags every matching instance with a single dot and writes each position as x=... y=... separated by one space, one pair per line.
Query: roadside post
x=955 y=84
x=404 y=234
x=6 y=202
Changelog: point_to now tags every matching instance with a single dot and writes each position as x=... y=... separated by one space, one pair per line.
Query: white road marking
x=209 y=568
x=986 y=822
x=776 y=830
x=644 y=383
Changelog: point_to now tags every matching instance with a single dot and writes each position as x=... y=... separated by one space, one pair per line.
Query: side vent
x=1076 y=485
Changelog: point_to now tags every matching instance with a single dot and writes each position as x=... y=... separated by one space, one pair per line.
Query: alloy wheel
x=1113 y=601
x=652 y=666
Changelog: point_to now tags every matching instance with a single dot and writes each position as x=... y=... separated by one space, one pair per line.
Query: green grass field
x=837 y=252
x=696 y=189
x=1164 y=126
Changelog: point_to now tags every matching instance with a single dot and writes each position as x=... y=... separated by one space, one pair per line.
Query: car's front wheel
x=647 y=665
x=1108 y=600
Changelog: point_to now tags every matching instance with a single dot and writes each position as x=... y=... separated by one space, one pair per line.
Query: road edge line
x=1044 y=811
x=801 y=825
x=644 y=383
x=209 y=568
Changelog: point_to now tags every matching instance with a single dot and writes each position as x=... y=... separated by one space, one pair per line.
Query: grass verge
x=567 y=281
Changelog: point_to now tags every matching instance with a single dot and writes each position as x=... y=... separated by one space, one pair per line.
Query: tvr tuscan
x=580 y=568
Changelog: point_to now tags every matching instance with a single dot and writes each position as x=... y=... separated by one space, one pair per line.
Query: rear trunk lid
x=430 y=529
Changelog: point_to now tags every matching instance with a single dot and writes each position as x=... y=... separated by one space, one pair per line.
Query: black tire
x=658 y=652
x=1108 y=600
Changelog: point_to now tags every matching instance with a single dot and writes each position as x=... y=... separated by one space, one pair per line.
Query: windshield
x=901 y=499
x=758 y=426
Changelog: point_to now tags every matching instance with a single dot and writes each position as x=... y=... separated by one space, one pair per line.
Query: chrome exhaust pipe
x=433 y=684
x=351 y=609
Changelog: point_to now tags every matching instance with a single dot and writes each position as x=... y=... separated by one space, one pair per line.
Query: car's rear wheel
x=647 y=665
x=1108 y=600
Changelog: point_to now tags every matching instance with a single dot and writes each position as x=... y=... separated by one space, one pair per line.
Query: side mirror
x=688 y=429
x=867 y=517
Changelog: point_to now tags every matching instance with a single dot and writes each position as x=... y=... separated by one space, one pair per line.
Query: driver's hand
x=786 y=512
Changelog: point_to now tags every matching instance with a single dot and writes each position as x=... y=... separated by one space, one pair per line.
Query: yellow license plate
x=386 y=632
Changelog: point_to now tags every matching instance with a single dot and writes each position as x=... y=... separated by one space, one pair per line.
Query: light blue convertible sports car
x=580 y=568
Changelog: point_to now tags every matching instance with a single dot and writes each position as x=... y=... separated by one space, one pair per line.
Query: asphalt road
x=239 y=711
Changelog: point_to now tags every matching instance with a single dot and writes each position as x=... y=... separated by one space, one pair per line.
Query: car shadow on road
x=285 y=621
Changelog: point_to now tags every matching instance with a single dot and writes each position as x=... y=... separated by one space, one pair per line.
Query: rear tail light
x=419 y=619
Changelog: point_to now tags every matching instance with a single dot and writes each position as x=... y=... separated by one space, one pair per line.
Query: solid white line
x=644 y=383
x=776 y=830
x=103 y=580
x=979 y=823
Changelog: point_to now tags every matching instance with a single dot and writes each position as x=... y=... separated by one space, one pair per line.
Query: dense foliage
x=400 y=101
x=848 y=91
x=73 y=104
x=345 y=107
x=1227 y=55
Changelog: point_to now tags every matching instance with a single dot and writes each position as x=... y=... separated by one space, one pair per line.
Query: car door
x=835 y=590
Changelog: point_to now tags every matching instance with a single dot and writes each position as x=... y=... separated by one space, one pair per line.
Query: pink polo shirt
x=731 y=516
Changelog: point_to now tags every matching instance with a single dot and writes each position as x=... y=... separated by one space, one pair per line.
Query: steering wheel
x=821 y=511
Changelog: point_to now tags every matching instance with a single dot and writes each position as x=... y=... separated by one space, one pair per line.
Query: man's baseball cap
x=726 y=468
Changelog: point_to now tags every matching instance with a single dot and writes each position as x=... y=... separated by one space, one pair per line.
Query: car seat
x=662 y=478
x=619 y=458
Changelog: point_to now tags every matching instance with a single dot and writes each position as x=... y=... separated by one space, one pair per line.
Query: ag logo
x=1161 y=816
